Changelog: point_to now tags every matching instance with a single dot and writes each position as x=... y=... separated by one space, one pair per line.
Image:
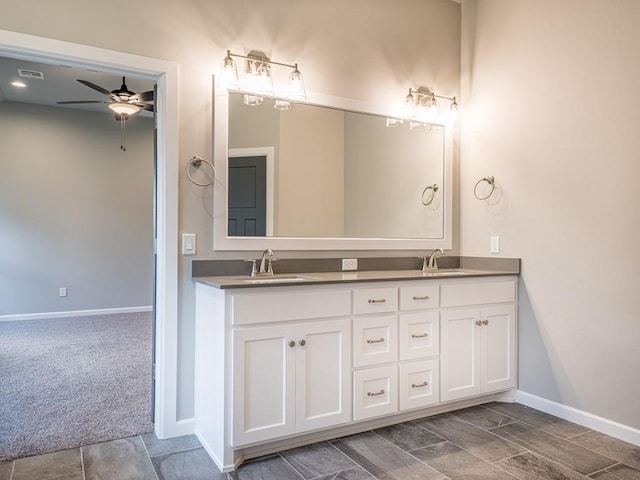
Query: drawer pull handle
x=292 y=344
x=371 y=394
x=478 y=322
x=380 y=300
x=415 y=335
x=380 y=340
x=425 y=297
x=419 y=385
x=485 y=322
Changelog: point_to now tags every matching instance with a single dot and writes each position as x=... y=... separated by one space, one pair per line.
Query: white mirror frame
x=222 y=242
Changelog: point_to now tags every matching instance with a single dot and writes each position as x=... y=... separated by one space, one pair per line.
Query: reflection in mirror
x=319 y=172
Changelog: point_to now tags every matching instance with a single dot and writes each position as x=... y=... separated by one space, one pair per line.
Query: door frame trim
x=165 y=73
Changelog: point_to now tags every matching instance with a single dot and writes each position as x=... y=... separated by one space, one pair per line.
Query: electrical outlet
x=349 y=264
x=495 y=244
x=63 y=291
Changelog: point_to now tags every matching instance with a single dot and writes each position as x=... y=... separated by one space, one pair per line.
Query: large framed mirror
x=324 y=175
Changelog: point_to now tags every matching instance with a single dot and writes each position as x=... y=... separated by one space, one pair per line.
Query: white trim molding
x=74 y=313
x=586 y=419
x=165 y=74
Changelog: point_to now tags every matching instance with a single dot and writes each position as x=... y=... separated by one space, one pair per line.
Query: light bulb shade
x=124 y=108
x=252 y=100
x=393 y=122
x=281 y=105
x=264 y=83
x=409 y=109
x=296 y=85
x=228 y=78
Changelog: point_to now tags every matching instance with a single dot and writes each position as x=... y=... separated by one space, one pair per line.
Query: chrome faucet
x=266 y=267
x=430 y=263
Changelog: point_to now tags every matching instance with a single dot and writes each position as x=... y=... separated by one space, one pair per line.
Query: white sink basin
x=282 y=278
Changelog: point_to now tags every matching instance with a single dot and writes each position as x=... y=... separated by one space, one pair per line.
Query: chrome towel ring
x=196 y=161
x=491 y=181
x=434 y=188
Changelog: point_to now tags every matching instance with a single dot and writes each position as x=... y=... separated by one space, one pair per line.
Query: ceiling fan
x=123 y=102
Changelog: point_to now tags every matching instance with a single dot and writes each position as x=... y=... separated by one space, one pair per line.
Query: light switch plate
x=188 y=243
x=349 y=264
x=495 y=244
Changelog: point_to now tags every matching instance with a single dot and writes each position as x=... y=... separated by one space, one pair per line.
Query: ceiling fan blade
x=146 y=106
x=145 y=96
x=81 y=101
x=99 y=89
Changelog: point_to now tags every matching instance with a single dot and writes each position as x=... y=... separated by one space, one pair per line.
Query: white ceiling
x=60 y=84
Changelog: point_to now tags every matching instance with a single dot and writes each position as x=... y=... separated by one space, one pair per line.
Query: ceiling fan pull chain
x=123 y=136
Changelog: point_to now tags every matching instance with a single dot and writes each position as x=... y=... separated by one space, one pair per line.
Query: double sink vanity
x=289 y=359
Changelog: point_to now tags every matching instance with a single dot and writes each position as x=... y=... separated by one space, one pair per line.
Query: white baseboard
x=586 y=419
x=73 y=313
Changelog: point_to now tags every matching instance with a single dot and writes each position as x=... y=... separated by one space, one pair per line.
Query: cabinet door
x=263 y=384
x=419 y=384
x=419 y=335
x=460 y=332
x=323 y=374
x=375 y=340
x=498 y=348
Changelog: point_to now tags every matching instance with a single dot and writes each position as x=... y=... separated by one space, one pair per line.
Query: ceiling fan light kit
x=123 y=102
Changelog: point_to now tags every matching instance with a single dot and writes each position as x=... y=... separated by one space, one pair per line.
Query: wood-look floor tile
x=483 y=417
x=409 y=436
x=457 y=464
x=49 y=465
x=351 y=474
x=475 y=440
x=317 y=460
x=544 y=421
x=157 y=447
x=191 y=464
x=383 y=459
x=610 y=447
x=5 y=470
x=269 y=468
x=124 y=459
x=625 y=472
x=528 y=466
x=557 y=449
x=603 y=475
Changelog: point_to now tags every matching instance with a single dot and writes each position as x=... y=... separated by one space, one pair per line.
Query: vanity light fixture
x=258 y=82
x=421 y=107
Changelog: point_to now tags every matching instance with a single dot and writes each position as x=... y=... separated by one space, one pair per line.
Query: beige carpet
x=73 y=381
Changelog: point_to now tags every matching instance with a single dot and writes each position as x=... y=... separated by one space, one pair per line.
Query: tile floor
x=495 y=441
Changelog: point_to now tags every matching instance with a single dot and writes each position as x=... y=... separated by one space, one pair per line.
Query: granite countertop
x=321 y=278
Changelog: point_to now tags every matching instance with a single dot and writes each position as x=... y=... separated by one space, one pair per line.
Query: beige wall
x=554 y=115
x=367 y=50
x=75 y=210
x=310 y=172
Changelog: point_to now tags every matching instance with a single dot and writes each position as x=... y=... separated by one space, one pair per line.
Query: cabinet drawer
x=416 y=298
x=419 y=335
x=455 y=295
x=375 y=300
x=375 y=340
x=279 y=307
x=375 y=392
x=419 y=384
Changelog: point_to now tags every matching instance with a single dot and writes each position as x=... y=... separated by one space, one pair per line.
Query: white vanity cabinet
x=281 y=366
x=478 y=341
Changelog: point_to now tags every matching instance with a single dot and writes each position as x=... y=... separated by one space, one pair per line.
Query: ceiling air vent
x=30 y=74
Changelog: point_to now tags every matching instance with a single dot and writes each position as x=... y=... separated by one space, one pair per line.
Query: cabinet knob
x=478 y=322
x=303 y=342
x=485 y=322
x=292 y=344
x=372 y=394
